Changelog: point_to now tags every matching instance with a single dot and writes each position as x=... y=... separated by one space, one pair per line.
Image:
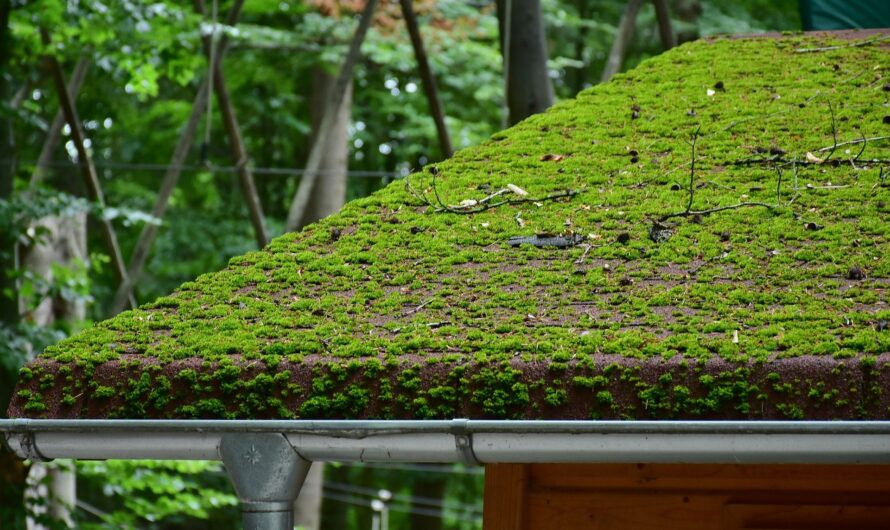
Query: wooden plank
x=504 y=505
x=601 y=510
x=801 y=516
x=560 y=510
x=717 y=477
x=686 y=497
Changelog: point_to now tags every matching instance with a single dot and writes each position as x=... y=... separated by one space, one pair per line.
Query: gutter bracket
x=463 y=442
x=267 y=474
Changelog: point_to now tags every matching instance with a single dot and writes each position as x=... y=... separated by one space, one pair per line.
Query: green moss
x=377 y=321
x=104 y=392
x=556 y=397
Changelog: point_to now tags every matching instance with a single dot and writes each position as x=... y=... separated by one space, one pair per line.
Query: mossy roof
x=394 y=308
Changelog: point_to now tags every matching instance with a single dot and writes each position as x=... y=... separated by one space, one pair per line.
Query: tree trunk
x=65 y=244
x=429 y=81
x=335 y=514
x=580 y=75
x=524 y=48
x=307 y=507
x=622 y=39
x=429 y=486
x=297 y=210
x=688 y=11
x=329 y=191
x=665 y=30
x=55 y=129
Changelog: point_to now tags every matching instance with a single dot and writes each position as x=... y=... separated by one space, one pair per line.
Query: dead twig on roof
x=881 y=180
x=718 y=209
x=580 y=261
x=796 y=190
x=828 y=187
x=471 y=206
x=790 y=108
x=778 y=185
x=418 y=308
x=689 y=212
x=858 y=44
x=692 y=170
x=861 y=140
x=833 y=133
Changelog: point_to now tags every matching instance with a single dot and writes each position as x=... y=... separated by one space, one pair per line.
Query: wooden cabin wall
x=680 y=497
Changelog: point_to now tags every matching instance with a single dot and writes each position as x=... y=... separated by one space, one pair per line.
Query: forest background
x=142 y=64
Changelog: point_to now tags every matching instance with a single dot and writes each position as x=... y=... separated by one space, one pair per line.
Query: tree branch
x=718 y=209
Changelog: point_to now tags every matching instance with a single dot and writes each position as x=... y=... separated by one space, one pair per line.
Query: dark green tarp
x=844 y=14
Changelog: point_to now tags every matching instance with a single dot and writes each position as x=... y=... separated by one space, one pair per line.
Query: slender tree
x=427 y=486
x=307 y=507
x=524 y=48
x=65 y=243
x=329 y=192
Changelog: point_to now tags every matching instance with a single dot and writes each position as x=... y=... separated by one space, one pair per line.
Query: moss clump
x=748 y=311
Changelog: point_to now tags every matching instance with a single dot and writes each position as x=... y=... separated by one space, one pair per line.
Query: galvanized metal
x=267 y=474
x=268 y=459
x=467 y=441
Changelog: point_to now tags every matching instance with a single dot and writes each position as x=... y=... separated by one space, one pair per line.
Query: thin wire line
x=356 y=501
x=136 y=166
x=410 y=499
x=92 y=510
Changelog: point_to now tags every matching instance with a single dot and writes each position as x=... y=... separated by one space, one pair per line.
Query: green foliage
x=155 y=495
x=159 y=38
x=18 y=213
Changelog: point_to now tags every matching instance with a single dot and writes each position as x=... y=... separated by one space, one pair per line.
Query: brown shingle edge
x=599 y=387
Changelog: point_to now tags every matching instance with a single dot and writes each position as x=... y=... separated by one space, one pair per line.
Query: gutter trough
x=468 y=441
x=267 y=460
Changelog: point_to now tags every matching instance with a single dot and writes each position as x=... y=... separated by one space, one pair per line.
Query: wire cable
x=357 y=501
x=409 y=499
x=137 y=166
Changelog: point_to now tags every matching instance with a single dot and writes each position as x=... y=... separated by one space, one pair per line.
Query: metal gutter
x=267 y=461
x=467 y=441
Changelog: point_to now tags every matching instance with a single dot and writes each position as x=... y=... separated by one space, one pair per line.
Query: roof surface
x=416 y=303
